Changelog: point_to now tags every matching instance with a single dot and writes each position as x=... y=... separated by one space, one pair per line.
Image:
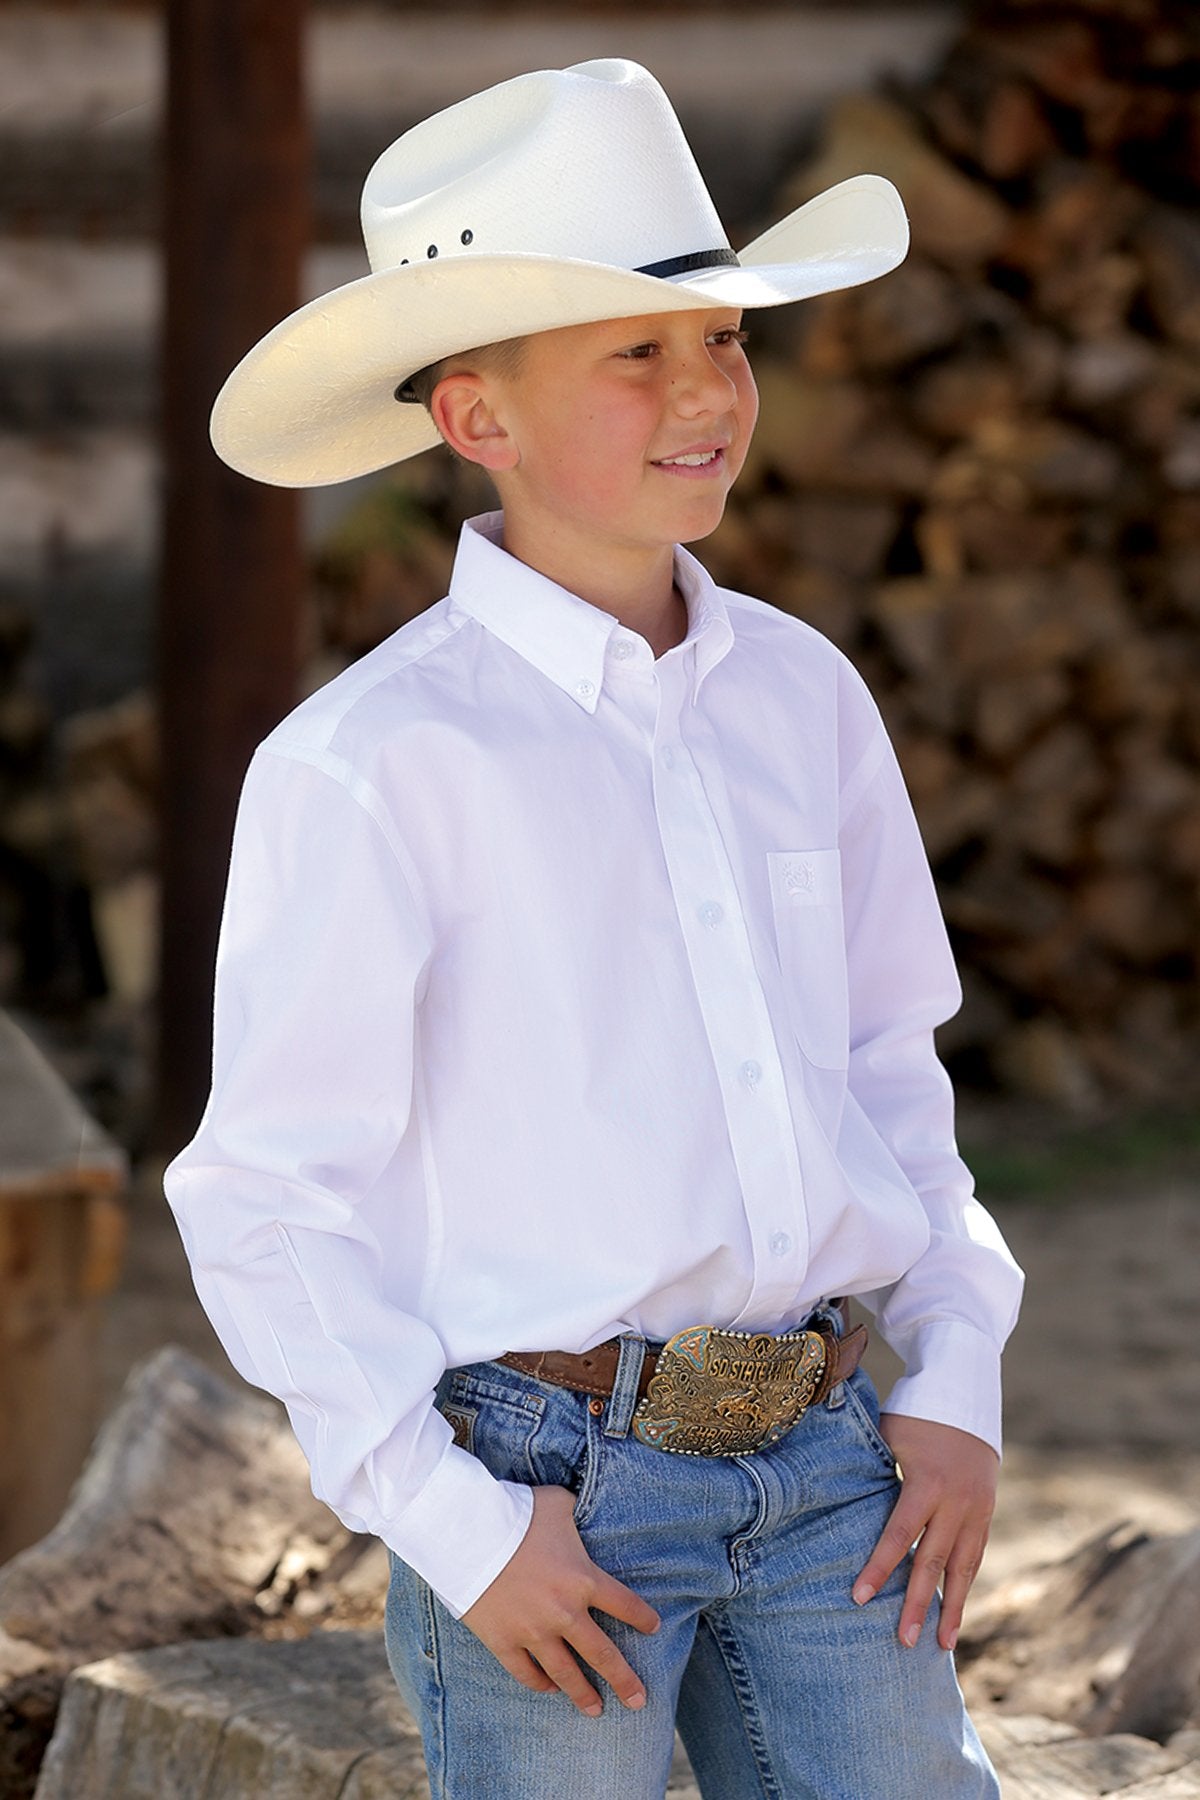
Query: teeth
x=696 y=461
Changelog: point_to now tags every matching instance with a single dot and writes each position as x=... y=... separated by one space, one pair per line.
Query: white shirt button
x=710 y=913
x=585 y=689
x=780 y=1243
x=622 y=649
x=668 y=756
x=751 y=1073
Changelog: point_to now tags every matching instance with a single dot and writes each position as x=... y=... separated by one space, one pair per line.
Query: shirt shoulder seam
x=372 y=671
x=786 y=622
x=862 y=776
x=362 y=792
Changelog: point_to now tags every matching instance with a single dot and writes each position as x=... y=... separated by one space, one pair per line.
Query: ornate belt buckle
x=727 y=1393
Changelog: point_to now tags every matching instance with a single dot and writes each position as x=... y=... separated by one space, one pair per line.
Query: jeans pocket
x=810 y=935
x=520 y=1429
x=585 y=1477
x=499 y=1420
x=410 y=1624
x=862 y=1410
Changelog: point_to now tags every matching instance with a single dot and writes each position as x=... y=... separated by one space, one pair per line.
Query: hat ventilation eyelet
x=468 y=237
x=432 y=251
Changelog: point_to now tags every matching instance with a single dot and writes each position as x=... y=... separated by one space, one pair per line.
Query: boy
x=573 y=1051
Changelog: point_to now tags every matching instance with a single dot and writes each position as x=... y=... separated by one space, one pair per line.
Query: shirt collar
x=567 y=638
x=709 y=629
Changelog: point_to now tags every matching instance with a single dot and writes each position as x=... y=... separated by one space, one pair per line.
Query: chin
x=700 y=522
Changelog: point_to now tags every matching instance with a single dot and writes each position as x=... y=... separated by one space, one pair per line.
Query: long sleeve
x=300 y=1200
x=950 y=1313
x=531 y=1029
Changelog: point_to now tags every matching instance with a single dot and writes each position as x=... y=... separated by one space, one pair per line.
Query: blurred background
x=980 y=477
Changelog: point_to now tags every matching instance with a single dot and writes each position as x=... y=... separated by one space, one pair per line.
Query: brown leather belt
x=596 y=1370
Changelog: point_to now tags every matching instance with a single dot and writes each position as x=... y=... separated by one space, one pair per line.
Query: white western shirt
x=563 y=992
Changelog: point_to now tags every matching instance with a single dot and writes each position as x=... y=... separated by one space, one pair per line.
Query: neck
x=639 y=590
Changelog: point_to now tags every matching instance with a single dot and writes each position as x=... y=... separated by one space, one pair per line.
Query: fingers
x=929 y=1565
x=566 y=1674
x=904 y=1527
x=600 y=1653
x=549 y=1666
x=949 y=1550
x=620 y=1602
x=944 y=1509
x=523 y=1668
x=593 y=1644
x=947 y=1561
x=536 y=1617
x=961 y=1571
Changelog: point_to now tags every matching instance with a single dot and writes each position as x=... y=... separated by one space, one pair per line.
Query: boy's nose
x=701 y=385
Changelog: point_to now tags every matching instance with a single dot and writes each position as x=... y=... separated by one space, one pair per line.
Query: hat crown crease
x=588 y=163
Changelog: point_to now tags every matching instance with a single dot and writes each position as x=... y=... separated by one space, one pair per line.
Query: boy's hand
x=538 y=1607
x=946 y=1501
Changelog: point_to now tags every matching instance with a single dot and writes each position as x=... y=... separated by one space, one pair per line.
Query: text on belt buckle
x=727 y=1393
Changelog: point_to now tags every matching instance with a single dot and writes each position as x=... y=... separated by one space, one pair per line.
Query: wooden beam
x=236 y=218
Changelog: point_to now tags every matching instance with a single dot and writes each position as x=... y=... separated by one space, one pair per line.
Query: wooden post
x=62 y=1222
x=236 y=215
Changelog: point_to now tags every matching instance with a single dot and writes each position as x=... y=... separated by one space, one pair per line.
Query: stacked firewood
x=981 y=476
x=78 y=881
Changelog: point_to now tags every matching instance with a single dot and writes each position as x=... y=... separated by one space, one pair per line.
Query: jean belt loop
x=834 y=1314
x=620 y=1409
x=829 y=1313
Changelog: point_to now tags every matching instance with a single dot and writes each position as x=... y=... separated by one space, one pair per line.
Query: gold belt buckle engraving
x=727 y=1393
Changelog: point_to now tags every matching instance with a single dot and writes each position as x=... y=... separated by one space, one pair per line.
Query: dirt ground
x=1102 y=1376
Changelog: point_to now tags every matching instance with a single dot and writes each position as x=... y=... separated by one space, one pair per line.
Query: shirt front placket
x=740 y=1036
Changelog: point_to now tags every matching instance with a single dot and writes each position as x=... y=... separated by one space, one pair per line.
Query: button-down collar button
x=622 y=649
x=710 y=913
x=780 y=1243
x=585 y=689
x=751 y=1073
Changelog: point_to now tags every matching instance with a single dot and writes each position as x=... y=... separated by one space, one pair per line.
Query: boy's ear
x=462 y=410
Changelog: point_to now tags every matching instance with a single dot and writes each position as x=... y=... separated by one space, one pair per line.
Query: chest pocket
x=806 y=900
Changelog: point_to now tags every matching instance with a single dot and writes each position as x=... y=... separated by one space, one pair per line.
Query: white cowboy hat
x=557 y=198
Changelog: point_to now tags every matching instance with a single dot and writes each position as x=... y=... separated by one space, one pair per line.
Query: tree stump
x=1108 y=1641
x=321 y=1720
x=61 y=1233
x=192 y=1519
x=318 y=1720
x=1041 y=1759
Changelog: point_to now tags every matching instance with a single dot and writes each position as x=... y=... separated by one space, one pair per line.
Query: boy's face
x=598 y=417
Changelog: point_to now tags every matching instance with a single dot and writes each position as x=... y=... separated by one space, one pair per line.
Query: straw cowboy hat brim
x=317 y=400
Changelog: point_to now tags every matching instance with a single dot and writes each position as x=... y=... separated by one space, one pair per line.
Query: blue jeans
x=781 y=1687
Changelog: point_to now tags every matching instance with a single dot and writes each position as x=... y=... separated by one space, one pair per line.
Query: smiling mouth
x=692 y=459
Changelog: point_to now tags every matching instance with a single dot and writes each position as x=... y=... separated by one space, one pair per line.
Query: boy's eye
x=727 y=334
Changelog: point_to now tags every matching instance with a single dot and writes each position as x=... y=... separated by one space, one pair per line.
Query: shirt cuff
x=461 y=1529
x=952 y=1377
